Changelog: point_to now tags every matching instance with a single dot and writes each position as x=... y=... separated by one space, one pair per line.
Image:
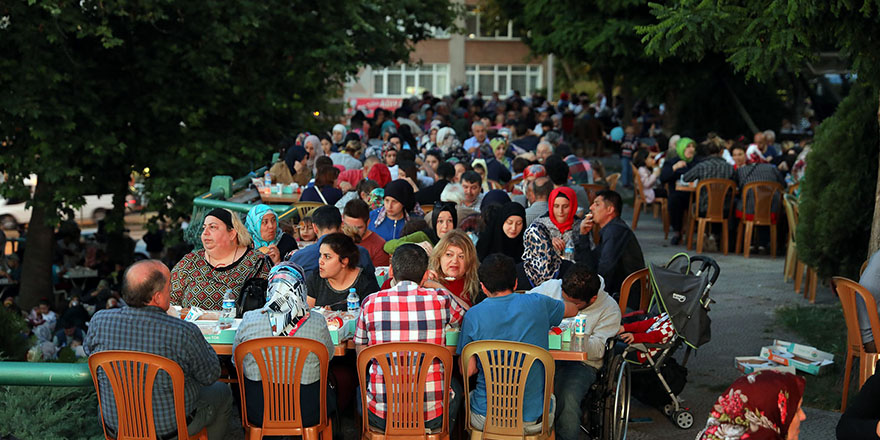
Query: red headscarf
x=379 y=173
x=353 y=177
x=572 y=199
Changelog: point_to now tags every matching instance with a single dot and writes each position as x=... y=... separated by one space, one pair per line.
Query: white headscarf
x=286 y=296
x=341 y=129
x=319 y=151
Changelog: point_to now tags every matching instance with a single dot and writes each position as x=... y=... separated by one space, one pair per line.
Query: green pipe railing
x=237 y=207
x=45 y=374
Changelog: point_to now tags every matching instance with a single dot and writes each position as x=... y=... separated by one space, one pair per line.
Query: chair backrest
x=625 y=288
x=762 y=195
x=637 y=184
x=404 y=367
x=718 y=201
x=305 y=208
x=506 y=366
x=427 y=208
x=792 y=188
x=592 y=189
x=281 y=360
x=791 y=214
x=131 y=376
x=864 y=266
x=847 y=290
x=612 y=181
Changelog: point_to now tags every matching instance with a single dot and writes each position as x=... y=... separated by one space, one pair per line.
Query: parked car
x=16 y=212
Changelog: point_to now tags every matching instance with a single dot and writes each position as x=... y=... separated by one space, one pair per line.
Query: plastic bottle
x=267 y=179
x=227 y=314
x=354 y=301
x=569 y=251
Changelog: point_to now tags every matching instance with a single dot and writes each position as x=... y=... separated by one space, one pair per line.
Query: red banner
x=369 y=105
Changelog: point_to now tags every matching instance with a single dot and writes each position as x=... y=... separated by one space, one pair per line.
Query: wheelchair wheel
x=616 y=411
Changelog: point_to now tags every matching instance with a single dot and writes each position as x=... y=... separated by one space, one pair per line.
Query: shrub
x=837 y=193
x=49 y=413
x=14 y=342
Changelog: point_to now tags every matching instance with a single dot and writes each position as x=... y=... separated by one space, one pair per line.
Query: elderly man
x=145 y=326
x=544 y=150
x=538 y=192
x=476 y=144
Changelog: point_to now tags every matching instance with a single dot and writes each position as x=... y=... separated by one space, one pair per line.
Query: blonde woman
x=226 y=262
x=454 y=265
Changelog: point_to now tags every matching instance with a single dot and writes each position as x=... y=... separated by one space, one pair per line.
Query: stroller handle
x=707 y=263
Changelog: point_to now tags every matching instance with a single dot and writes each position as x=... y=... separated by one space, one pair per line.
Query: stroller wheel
x=668 y=409
x=683 y=419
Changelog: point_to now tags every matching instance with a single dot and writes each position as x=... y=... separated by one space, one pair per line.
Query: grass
x=824 y=328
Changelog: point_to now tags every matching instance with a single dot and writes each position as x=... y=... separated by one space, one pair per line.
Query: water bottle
x=227 y=314
x=569 y=250
x=267 y=179
x=354 y=301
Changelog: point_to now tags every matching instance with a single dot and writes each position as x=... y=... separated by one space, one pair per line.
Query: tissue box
x=750 y=364
x=555 y=341
x=566 y=335
x=802 y=357
x=452 y=337
x=214 y=335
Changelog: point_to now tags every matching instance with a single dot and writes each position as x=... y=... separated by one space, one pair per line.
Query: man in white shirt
x=472 y=144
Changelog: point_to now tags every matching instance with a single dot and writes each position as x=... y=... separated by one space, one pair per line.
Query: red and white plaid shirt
x=407 y=313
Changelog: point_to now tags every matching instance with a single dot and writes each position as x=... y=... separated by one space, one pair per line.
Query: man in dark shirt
x=326 y=220
x=144 y=326
x=431 y=195
x=618 y=253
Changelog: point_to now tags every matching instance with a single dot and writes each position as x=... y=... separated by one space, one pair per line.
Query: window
x=479 y=25
x=411 y=80
x=503 y=78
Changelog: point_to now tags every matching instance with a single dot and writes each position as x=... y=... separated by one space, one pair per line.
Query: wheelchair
x=606 y=407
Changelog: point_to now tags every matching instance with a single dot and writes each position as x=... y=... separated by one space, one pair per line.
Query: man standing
x=537 y=192
x=144 y=326
x=326 y=220
x=414 y=310
x=472 y=184
x=617 y=254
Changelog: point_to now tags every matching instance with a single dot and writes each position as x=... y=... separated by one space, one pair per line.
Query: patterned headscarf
x=286 y=296
x=759 y=406
x=540 y=260
x=253 y=222
x=377 y=198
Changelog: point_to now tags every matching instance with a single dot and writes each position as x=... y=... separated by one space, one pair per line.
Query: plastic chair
x=847 y=290
x=592 y=189
x=791 y=249
x=506 y=366
x=131 y=375
x=305 y=208
x=639 y=201
x=795 y=265
x=867 y=366
x=612 y=180
x=427 y=208
x=282 y=413
x=626 y=287
x=405 y=398
x=762 y=194
x=718 y=210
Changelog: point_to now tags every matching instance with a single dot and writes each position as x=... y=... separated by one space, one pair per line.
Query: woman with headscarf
x=286 y=313
x=503 y=233
x=673 y=169
x=298 y=169
x=312 y=145
x=447 y=141
x=444 y=218
x=540 y=262
x=262 y=224
x=561 y=220
x=399 y=201
x=338 y=135
x=765 y=405
x=226 y=261
x=379 y=173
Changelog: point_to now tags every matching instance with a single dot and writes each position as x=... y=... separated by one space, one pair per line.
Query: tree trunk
x=874 y=243
x=566 y=69
x=119 y=248
x=36 y=270
x=626 y=90
x=607 y=77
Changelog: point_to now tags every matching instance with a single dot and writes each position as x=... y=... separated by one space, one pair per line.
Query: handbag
x=253 y=293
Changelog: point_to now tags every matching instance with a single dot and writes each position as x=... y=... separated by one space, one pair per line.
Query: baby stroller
x=680 y=303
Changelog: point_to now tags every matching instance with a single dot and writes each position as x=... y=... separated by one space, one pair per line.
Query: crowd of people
x=469 y=203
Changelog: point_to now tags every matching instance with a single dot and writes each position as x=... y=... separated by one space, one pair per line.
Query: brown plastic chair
x=626 y=287
x=762 y=194
x=847 y=290
x=639 y=201
x=405 y=398
x=612 y=181
x=867 y=366
x=306 y=208
x=506 y=366
x=795 y=265
x=864 y=266
x=592 y=189
x=131 y=375
x=718 y=210
x=792 y=188
x=790 y=204
x=427 y=208
x=282 y=413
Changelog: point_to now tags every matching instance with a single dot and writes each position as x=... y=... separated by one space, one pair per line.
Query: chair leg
x=656 y=207
x=747 y=240
x=690 y=232
x=701 y=235
x=739 y=237
x=665 y=214
x=773 y=241
x=814 y=279
x=787 y=271
x=636 y=209
x=798 y=275
x=254 y=434
x=846 y=377
x=725 y=237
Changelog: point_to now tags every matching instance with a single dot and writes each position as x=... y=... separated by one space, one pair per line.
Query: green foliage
x=14 y=342
x=837 y=192
x=49 y=413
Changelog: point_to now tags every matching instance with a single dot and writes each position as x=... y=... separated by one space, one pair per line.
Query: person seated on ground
x=617 y=254
x=540 y=262
x=472 y=184
x=430 y=195
x=262 y=225
x=226 y=262
x=649 y=172
x=399 y=202
x=582 y=287
x=503 y=232
x=76 y=314
x=323 y=191
x=454 y=265
x=538 y=193
x=326 y=220
x=558 y=172
x=762 y=405
x=673 y=169
x=444 y=218
x=416 y=309
x=70 y=336
x=357 y=215
x=287 y=308
x=337 y=273
x=147 y=291
x=42 y=314
x=861 y=420
x=509 y=316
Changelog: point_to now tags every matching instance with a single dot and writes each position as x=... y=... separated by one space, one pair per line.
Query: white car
x=15 y=212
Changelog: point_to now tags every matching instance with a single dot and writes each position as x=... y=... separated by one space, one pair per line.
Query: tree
x=90 y=90
x=759 y=37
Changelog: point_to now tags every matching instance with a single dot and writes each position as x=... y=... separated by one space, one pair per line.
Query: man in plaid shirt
x=415 y=310
x=145 y=326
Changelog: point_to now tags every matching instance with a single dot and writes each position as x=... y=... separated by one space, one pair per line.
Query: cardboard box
x=214 y=335
x=555 y=341
x=750 y=364
x=802 y=357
